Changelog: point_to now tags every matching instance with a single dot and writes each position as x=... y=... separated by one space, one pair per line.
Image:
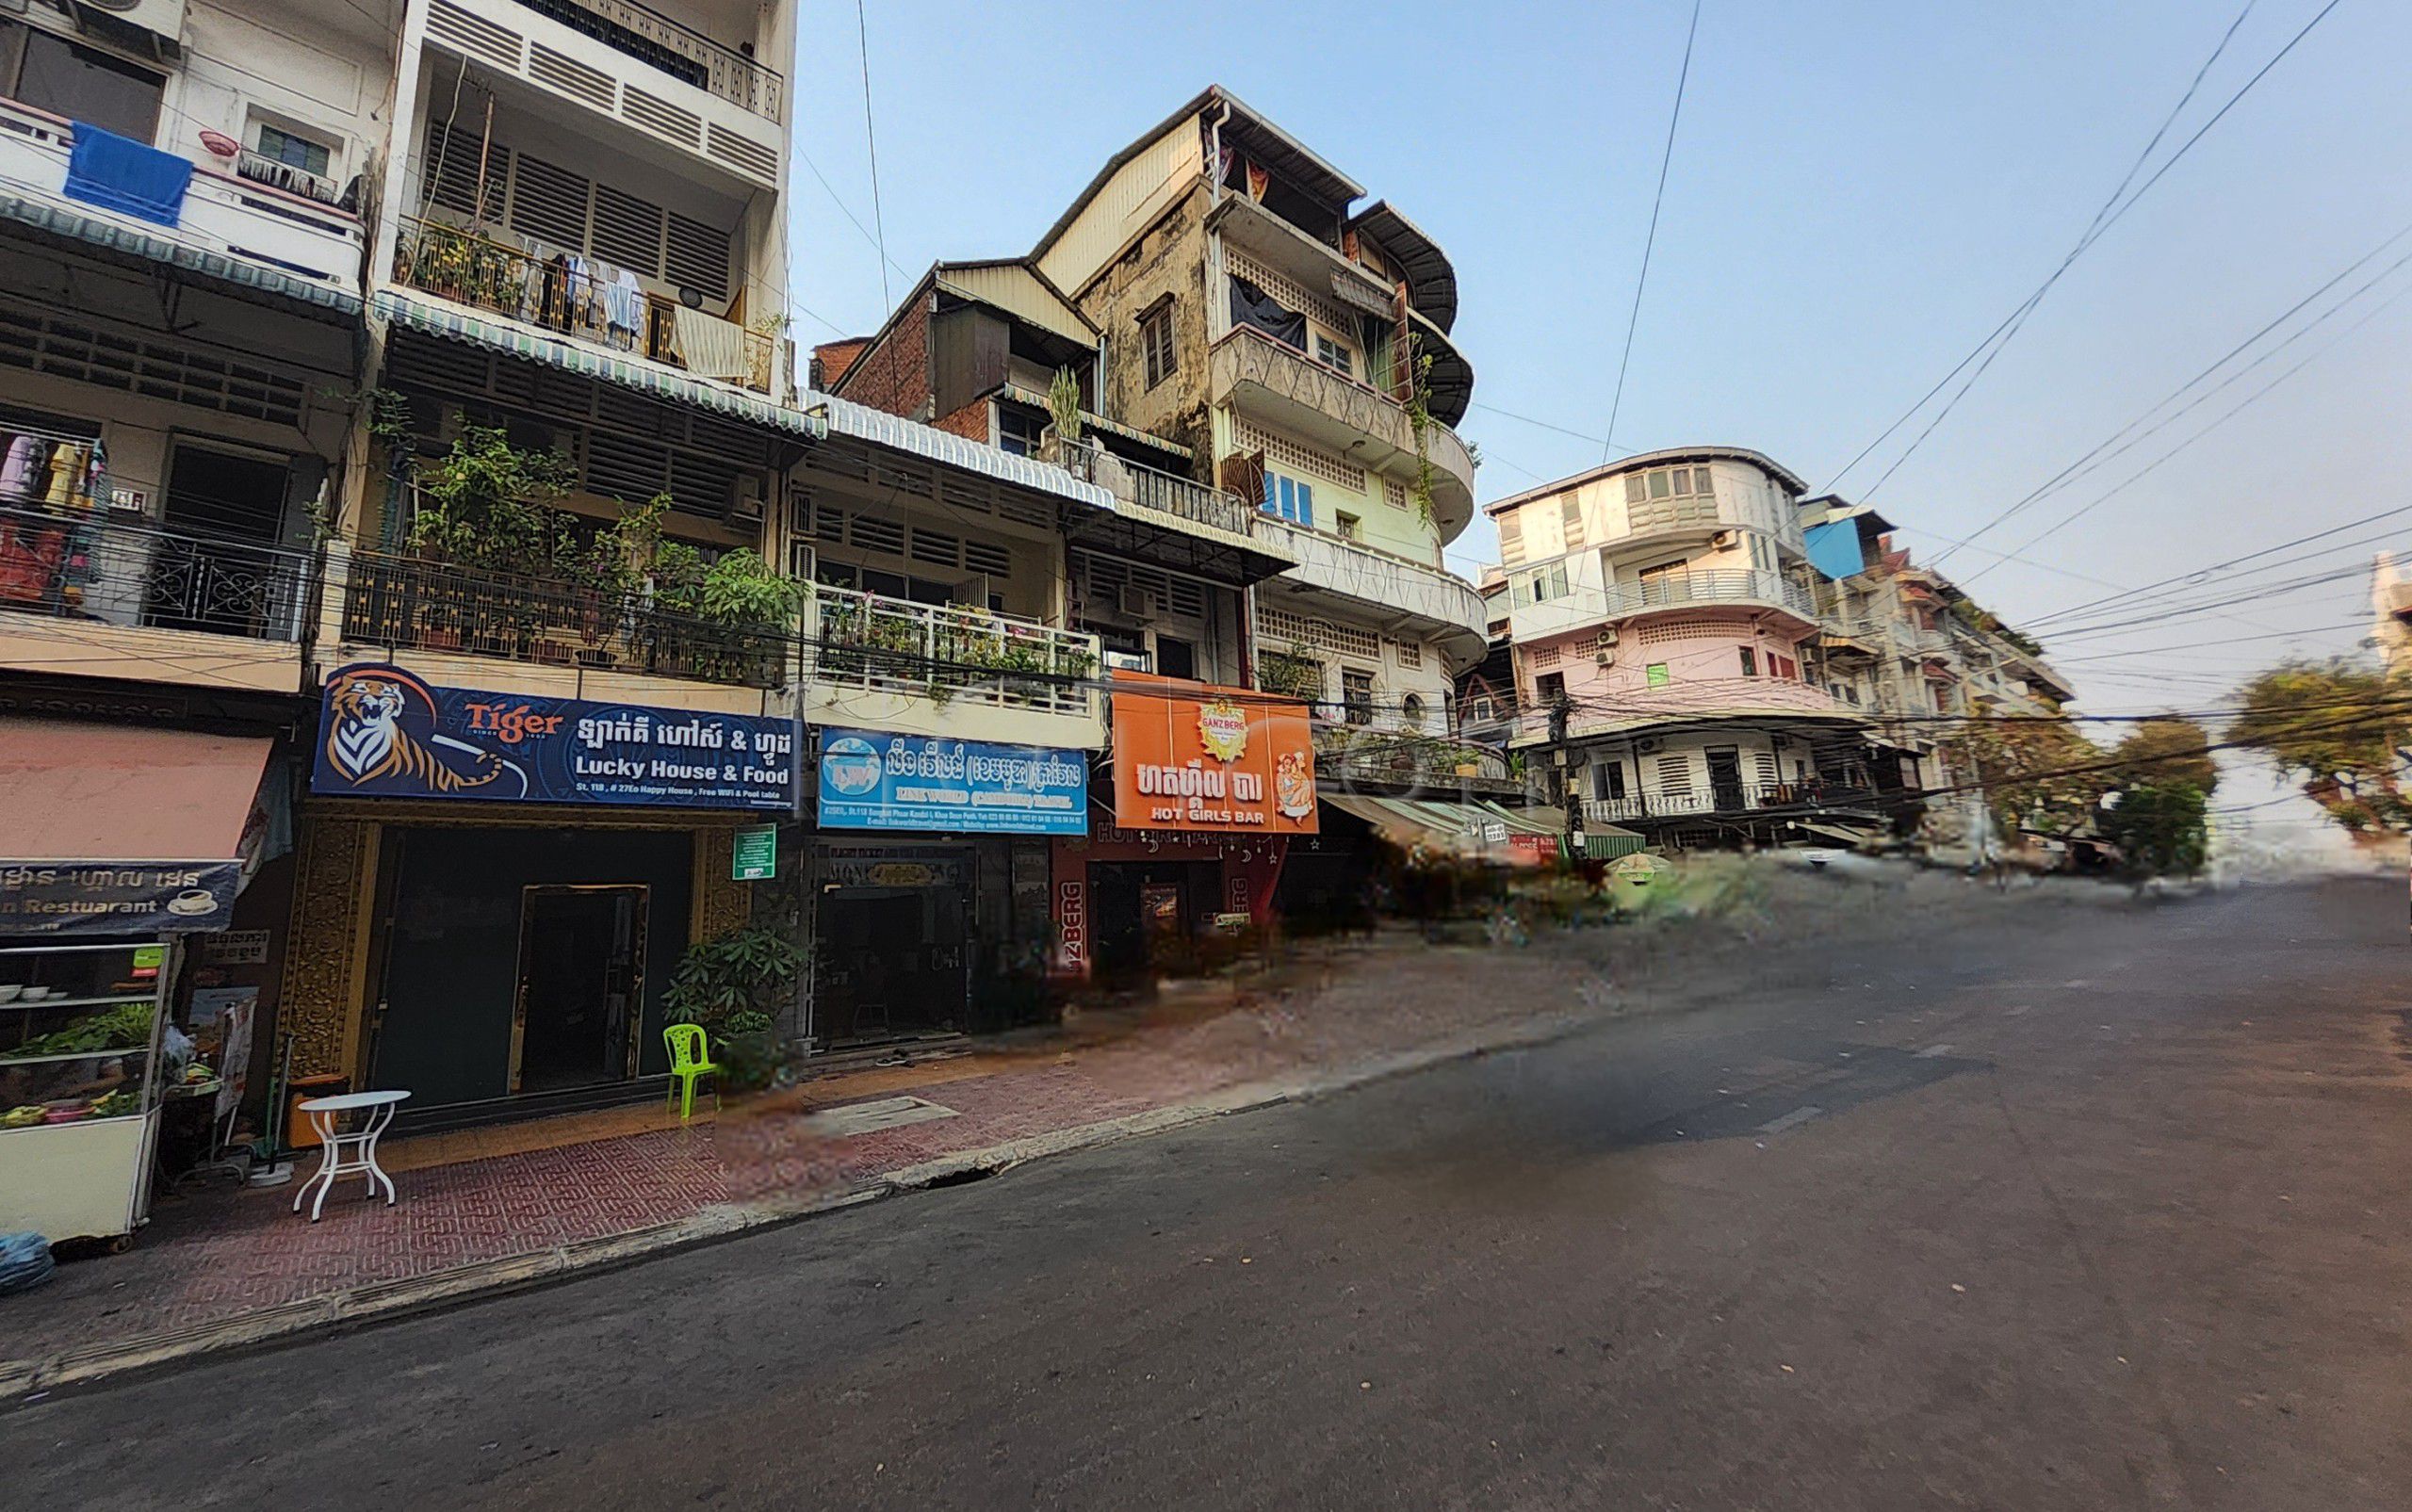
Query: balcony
x=455 y=625
x=1624 y=708
x=551 y=291
x=1745 y=587
x=1146 y=491
x=1351 y=757
x=105 y=592
x=1301 y=396
x=1808 y=798
x=706 y=99
x=1410 y=596
x=926 y=669
x=284 y=234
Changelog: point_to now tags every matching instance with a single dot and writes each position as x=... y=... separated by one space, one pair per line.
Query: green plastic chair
x=689 y=1049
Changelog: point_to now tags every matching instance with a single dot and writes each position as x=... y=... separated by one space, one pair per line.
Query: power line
x=870 y=139
x=2197 y=574
x=1634 y=319
x=2113 y=211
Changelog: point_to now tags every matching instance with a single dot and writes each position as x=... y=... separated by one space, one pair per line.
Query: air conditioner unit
x=1134 y=602
x=1607 y=635
x=1725 y=538
x=148 y=28
x=1605 y=656
x=744 y=500
x=1646 y=746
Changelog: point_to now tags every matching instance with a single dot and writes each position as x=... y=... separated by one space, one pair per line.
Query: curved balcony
x=1412 y=598
x=1744 y=586
x=1292 y=393
x=1352 y=756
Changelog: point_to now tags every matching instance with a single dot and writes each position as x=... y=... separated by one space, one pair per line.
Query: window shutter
x=1512 y=538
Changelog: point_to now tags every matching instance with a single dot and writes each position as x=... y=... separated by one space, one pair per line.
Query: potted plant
x=736 y=987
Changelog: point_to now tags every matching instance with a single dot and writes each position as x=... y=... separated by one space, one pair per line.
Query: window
x=1018 y=430
x=1356 y=695
x=1348 y=526
x=1750 y=662
x=1657 y=674
x=1511 y=537
x=278 y=145
x=1333 y=355
x=1543 y=584
x=1481 y=710
x=1665 y=482
x=1551 y=686
x=47 y=72
x=1570 y=519
x=1289 y=500
x=1410 y=711
x=1616 y=779
x=1156 y=342
x=1762 y=551
x=1783 y=667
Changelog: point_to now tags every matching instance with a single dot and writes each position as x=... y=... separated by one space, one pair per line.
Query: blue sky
x=1860 y=191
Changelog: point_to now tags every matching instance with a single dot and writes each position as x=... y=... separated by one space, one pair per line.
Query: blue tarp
x=119 y=174
x=1834 y=549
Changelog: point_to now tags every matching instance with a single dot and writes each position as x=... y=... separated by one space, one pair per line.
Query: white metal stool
x=347 y=1154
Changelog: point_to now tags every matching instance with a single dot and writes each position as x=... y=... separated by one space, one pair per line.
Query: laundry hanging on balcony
x=1252 y=306
x=711 y=347
x=119 y=174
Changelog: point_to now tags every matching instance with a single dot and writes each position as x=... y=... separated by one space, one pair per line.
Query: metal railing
x=1738 y=799
x=946 y=653
x=280 y=175
x=1717 y=585
x=563 y=292
x=1347 y=751
x=680 y=51
x=432 y=606
x=113 y=567
x=1148 y=488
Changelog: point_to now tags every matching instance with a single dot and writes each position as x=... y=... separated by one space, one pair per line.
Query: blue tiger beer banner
x=383 y=732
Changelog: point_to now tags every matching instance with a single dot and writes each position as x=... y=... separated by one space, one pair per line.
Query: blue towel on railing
x=120 y=174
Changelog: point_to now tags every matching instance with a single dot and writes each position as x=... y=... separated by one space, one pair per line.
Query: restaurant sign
x=874 y=781
x=92 y=899
x=384 y=734
x=1193 y=756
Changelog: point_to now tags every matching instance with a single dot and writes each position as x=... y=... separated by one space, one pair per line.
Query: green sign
x=755 y=857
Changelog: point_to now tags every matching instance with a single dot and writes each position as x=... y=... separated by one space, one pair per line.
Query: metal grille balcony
x=879 y=644
x=112 y=567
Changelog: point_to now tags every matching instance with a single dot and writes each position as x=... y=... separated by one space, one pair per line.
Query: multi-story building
x=1666 y=642
x=183 y=189
x=1260 y=377
x=2391 y=614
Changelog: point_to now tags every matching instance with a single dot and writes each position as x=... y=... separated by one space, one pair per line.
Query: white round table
x=347 y=1154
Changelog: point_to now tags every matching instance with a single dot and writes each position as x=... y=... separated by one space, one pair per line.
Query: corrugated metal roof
x=59 y=221
x=863 y=423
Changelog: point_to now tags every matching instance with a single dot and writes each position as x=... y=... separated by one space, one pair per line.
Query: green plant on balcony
x=461 y=266
x=1063 y=405
x=1419 y=419
x=1292 y=674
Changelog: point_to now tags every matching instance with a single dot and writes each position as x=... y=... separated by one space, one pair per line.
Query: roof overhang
x=58 y=226
x=1666 y=457
x=1431 y=278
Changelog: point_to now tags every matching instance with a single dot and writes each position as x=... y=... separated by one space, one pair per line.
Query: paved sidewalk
x=499 y=1206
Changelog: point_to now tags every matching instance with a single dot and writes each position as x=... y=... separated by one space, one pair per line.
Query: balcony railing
x=946 y=653
x=579 y=297
x=1741 y=798
x=1722 y=585
x=1248 y=355
x=112 y=567
x=1145 y=487
x=432 y=606
x=680 y=51
x=1347 y=752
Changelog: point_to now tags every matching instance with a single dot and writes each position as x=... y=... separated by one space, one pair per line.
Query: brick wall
x=895 y=374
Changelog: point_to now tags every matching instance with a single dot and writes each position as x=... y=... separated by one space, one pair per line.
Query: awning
x=1833 y=832
x=440 y=317
x=121 y=829
x=1481 y=830
x=1608 y=842
x=139 y=247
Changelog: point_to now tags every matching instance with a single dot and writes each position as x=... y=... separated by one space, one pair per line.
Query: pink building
x=1665 y=634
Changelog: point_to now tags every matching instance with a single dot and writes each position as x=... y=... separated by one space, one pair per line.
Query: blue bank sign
x=874 y=781
x=384 y=734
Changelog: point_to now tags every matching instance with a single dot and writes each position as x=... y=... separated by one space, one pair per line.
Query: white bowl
x=8 y=990
x=37 y=994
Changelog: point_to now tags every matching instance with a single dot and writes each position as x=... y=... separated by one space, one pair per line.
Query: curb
x=389 y=1301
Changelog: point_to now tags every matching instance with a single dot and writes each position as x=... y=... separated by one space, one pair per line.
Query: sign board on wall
x=110 y=898
x=754 y=853
x=874 y=781
x=1193 y=757
x=383 y=732
x=236 y=947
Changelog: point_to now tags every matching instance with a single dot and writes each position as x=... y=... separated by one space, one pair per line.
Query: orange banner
x=1194 y=756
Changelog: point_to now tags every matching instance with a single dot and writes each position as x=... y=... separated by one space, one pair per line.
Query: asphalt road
x=2084 y=1207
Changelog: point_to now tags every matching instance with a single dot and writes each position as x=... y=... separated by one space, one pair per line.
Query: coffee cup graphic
x=193 y=901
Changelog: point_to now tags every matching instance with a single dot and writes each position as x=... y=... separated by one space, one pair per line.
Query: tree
x=2171 y=748
x=2159 y=827
x=2337 y=726
x=2020 y=763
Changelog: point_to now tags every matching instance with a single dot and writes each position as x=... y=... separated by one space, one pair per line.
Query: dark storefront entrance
x=1148 y=914
x=896 y=927
x=521 y=962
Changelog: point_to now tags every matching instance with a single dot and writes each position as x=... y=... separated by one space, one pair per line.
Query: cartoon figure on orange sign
x=1294 y=785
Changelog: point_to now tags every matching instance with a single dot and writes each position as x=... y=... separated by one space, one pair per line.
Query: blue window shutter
x=1305 y=514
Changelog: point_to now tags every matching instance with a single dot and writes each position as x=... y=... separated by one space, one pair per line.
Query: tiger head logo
x=369 y=738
